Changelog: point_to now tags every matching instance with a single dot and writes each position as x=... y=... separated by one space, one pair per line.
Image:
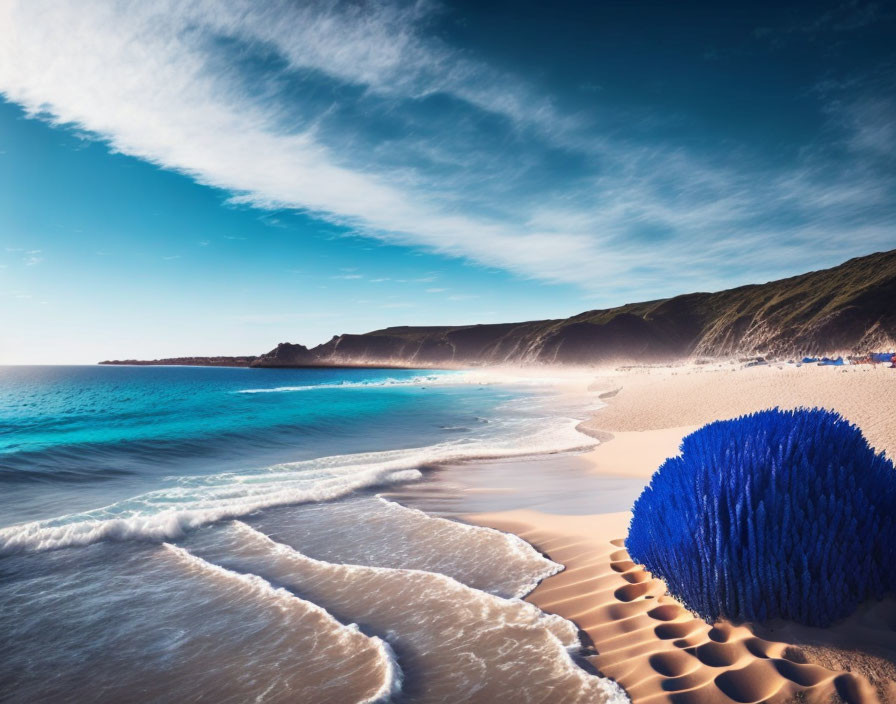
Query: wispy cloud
x=156 y=81
x=846 y=16
x=869 y=124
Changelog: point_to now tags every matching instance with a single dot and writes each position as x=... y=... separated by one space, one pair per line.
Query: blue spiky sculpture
x=776 y=514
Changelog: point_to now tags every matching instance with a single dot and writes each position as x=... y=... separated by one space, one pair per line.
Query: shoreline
x=572 y=507
x=644 y=639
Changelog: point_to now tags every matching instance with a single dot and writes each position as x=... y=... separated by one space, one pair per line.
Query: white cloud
x=150 y=79
x=137 y=74
x=871 y=125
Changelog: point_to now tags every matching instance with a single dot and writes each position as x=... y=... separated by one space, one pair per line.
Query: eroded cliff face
x=849 y=308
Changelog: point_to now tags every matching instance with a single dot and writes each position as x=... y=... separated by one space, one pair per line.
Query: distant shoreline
x=323 y=365
x=845 y=310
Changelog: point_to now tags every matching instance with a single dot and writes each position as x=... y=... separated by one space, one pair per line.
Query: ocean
x=218 y=534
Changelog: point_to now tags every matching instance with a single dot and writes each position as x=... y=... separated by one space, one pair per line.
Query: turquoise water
x=76 y=438
x=42 y=409
x=215 y=534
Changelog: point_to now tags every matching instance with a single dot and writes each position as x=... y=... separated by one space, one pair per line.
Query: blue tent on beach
x=827 y=361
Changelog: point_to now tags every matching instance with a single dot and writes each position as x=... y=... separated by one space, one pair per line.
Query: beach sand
x=687 y=397
x=656 y=649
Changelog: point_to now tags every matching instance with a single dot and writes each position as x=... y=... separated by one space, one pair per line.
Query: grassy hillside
x=851 y=307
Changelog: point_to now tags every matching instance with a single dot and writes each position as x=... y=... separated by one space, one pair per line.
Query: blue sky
x=216 y=177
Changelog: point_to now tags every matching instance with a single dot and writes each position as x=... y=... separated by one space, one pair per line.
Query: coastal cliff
x=287 y=354
x=849 y=308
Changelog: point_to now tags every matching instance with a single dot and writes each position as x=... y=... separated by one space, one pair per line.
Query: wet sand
x=574 y=508
x=559 y=483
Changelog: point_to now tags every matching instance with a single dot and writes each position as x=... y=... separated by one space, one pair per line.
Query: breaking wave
x=348 y=638
x=403 y=599
x=414 y=381
x=471 y=378
x=197 y=500
x=477 y=538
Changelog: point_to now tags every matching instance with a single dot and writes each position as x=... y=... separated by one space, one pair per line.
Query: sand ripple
x=659 y=652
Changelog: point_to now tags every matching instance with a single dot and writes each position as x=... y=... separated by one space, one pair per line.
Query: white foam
x=565 y=631
x=168 y=513
x=540 y=566
x=447 y=378
x=430 y=380
x=193 y=501
x=348 y=635
x=154 y=518
x=497 y=612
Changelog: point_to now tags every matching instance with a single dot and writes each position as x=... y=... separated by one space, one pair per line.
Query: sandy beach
x=445 y=352
x=641 y=637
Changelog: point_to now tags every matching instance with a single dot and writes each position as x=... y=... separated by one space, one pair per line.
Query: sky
x=216 y=176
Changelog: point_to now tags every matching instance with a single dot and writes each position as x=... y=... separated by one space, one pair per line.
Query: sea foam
x=460 y=378
x=347 y=637
x=197 y=500
x=482 y=538
x=432 y=380
x=443 y=617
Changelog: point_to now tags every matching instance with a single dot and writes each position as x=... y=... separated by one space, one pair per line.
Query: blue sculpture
x=776 y=514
